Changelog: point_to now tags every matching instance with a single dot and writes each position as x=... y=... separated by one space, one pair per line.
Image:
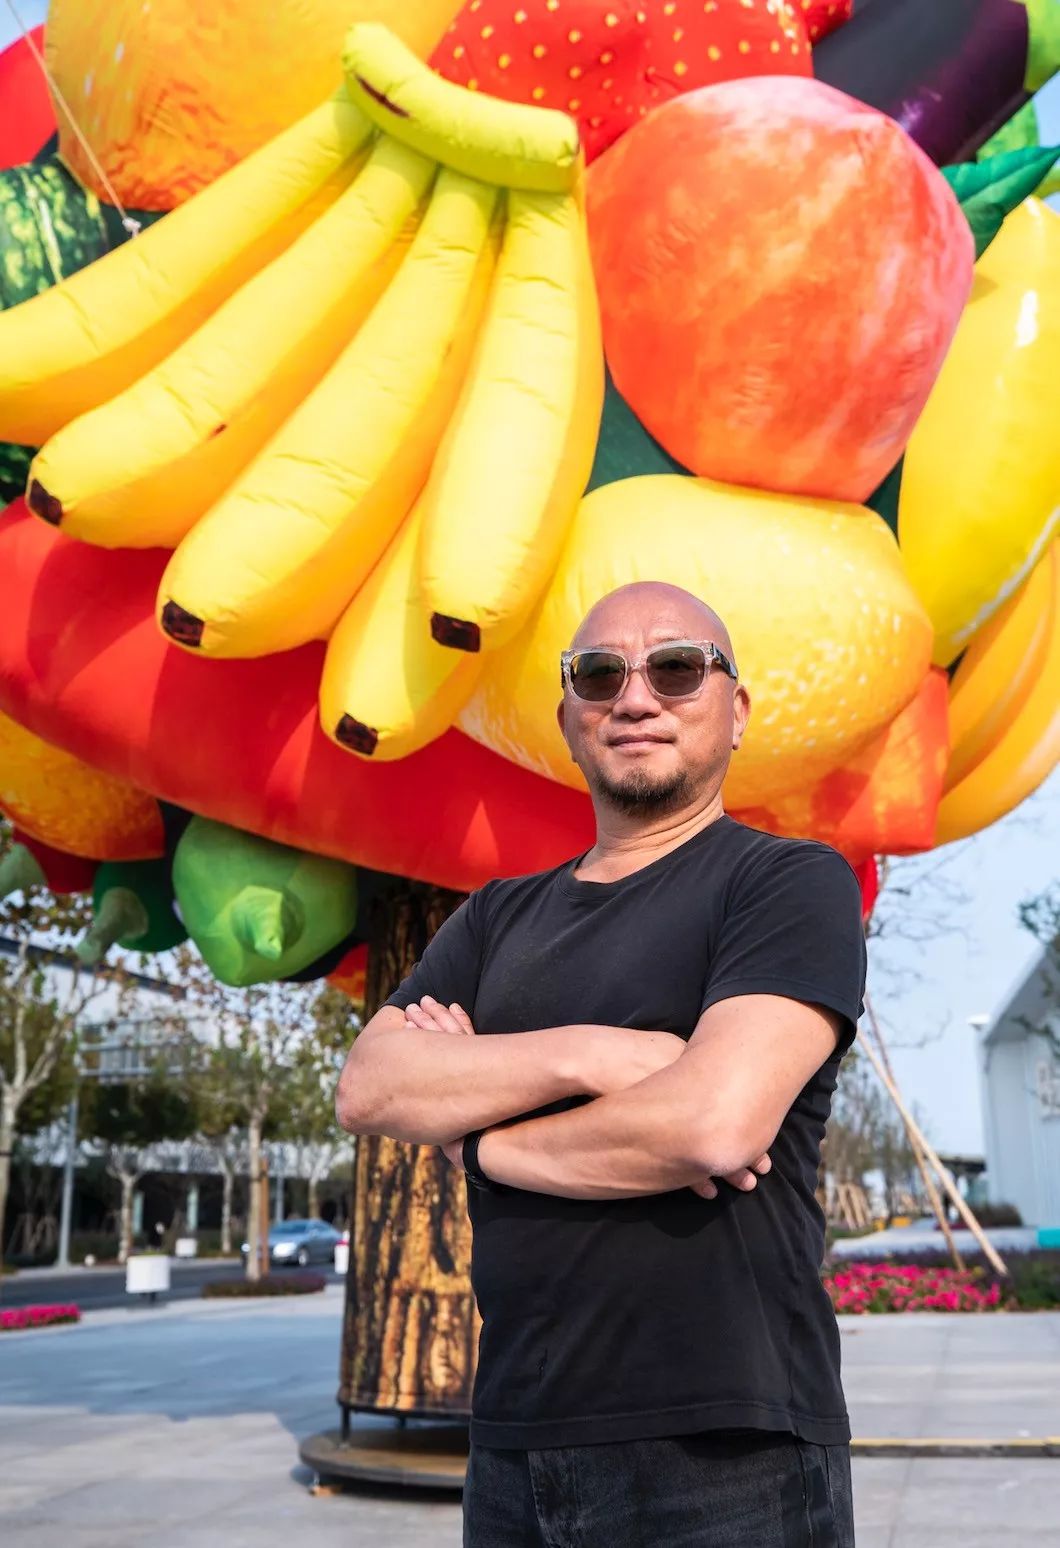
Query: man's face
x=641 y=752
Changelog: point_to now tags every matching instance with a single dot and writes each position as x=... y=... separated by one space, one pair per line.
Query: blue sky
x=926 y=991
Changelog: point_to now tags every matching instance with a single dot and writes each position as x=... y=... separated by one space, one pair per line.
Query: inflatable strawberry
x=610 y=65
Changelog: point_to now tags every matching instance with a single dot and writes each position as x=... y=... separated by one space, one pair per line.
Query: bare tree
x=1041 y=916
x=308 y=1118
x=866 y=1136
x=132 y=1121
x=255 y=1035
x=920 y=901
x=41 y=1005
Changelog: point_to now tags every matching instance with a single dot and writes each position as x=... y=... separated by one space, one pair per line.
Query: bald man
x=632 y=1057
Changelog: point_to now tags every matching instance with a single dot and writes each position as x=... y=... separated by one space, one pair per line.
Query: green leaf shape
x=990 y=190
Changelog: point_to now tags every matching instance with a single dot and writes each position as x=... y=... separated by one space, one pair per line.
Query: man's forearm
x=625 y=1145
x=428 y=1088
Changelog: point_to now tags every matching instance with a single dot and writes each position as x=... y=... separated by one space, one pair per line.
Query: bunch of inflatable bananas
x=353 y=376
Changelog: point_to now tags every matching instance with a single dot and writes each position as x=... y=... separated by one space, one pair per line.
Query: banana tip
x=47 y=506
x=355 y=735
x=457 y=633
x=182 y=626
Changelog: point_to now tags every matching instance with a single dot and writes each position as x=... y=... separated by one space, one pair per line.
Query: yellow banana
x=277 y=559
x=1000 y=668
x=980 y=491
x=387 y=687
x=526 y=424
x=139 y=470
x=63 y=351
x=508 y=143
x=1021 y=759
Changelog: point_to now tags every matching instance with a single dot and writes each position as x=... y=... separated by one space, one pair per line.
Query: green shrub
x=1035 y=1280
x=272 y=1284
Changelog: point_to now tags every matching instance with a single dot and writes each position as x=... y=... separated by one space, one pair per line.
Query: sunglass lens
x=675 y=671
x=597 y=675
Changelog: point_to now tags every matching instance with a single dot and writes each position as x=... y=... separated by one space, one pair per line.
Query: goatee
x=641 y=793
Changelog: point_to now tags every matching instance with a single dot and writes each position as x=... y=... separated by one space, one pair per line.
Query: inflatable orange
x=171 y=93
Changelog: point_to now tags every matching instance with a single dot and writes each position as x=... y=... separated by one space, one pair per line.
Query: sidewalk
x=178 y=1425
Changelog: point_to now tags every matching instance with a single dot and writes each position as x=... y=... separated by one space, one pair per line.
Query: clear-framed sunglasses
x=674 y=670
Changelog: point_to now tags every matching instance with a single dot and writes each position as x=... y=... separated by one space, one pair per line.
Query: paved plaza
x=178 y=1426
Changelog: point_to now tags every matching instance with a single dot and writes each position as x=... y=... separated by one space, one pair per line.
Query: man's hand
x=744 y=1181
x=431 y=1016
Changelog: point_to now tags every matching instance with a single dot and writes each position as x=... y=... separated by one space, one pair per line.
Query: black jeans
x=684 y=1491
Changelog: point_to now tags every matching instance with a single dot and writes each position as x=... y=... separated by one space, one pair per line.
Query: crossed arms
x=666 y=1115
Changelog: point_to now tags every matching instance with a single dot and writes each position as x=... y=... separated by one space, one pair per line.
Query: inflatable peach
x=780 y=272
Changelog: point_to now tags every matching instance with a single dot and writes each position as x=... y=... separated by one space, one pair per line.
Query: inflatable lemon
x=829 y=636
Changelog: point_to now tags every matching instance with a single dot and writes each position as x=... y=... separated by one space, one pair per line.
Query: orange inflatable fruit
x=780 y=271
x=171 y=93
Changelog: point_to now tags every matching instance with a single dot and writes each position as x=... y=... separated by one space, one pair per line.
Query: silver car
x=301 y=1242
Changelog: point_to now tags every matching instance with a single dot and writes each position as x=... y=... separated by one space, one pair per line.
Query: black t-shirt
x=608 y=1320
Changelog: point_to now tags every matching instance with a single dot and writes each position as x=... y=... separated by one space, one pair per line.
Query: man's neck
x=626 y=843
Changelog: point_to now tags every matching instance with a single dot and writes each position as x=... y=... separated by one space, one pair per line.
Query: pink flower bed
x=17 y=1318
x=897 y=1287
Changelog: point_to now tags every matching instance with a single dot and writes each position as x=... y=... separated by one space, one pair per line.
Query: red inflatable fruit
x=868 y=875
x=610 y=62
x=63 y=872
x=780 y=272
x=823 y=16
x=885 y=799
x=27 y=118
x=240 y=741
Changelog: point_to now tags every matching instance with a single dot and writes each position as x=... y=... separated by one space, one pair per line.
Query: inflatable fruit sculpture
x=333 y=458
x=171 y=95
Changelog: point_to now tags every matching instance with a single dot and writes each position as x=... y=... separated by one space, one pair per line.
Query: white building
x=1019 y=1070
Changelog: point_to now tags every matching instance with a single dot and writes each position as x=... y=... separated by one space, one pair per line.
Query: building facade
x=1019 y=1070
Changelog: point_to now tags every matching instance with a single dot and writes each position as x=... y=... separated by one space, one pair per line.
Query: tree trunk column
x=410 y=1331
x=7 y=1145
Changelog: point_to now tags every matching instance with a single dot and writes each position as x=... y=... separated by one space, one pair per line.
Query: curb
x=932 y=1446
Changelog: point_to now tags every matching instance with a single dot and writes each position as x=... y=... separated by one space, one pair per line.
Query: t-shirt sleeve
x=449 y=968
x=793 y=926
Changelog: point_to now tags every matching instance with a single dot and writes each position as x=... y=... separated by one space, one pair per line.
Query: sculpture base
x=420 y=1455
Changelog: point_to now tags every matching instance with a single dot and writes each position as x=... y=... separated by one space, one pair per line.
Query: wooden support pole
x=914 y=1140
x=931 y=1155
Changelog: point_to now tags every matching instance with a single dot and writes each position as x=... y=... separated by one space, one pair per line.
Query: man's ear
x=561 y=720
x=741 y=714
